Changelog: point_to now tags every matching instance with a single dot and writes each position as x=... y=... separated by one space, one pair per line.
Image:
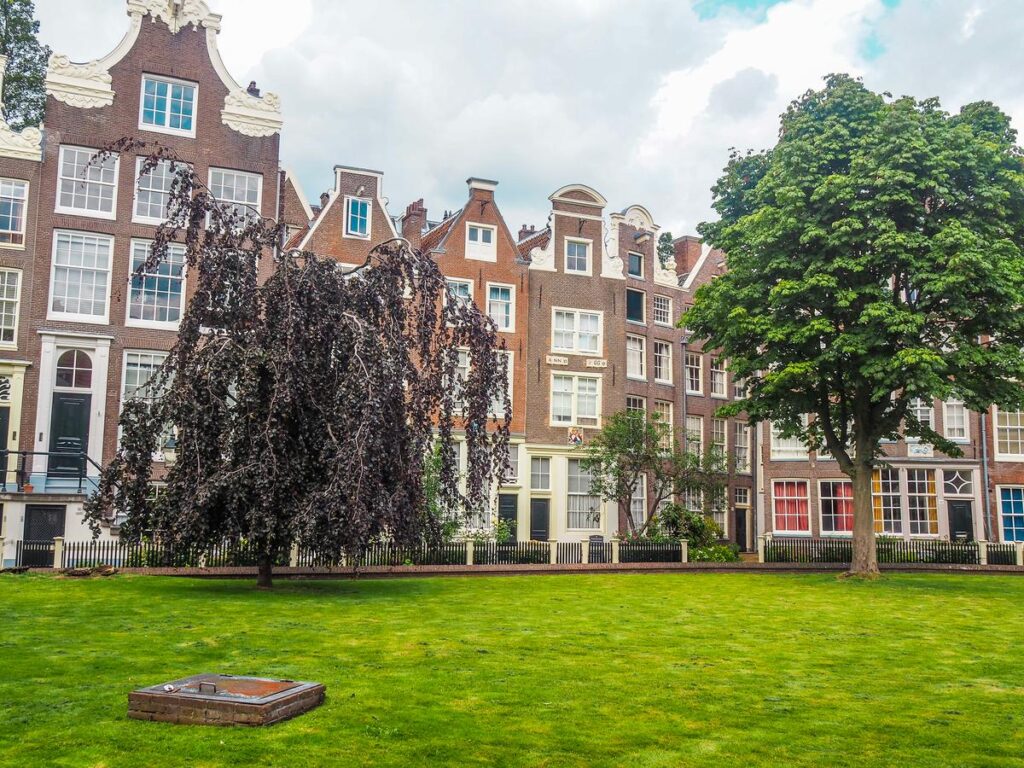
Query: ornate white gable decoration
x=543 y=259
x=612 y=265
x=88 y=85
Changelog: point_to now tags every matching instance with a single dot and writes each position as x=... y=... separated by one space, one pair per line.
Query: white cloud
x=640 y=100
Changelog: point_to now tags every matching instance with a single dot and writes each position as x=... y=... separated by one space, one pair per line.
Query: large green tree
x=24 y=91
x=874 y=257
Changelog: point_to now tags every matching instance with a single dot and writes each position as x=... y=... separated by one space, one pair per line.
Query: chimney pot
x=324 y=197
x=252 y=90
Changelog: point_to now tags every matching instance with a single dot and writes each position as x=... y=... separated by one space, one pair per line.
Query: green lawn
x=581 y=670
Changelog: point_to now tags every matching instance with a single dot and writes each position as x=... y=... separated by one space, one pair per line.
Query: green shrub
x=715 y=553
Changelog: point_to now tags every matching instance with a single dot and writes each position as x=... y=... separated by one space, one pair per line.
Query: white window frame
x=631 y=372
x=787 y=453
x=481 y=251
x=821 y=507
x=930 y=408
x=58 y=208
x=791 y=532
x=51 y=313
x=510 y=368
x=643 y=306
x=545 y=461
x=690 y=433
x=136 y=218
x=596 y=526
x=347 y=209
x=712 y=371
x=512 y=305
x=743 y=469
x=574 y=417
x=667 y=417
x=24 y=215
x=667 y=367
x=590 y=256
x=700 y=372
x=13 y=343
x=158 y=454
x=259 y=188
x=668 y=310
x=999 y=455
x=166 y=128
x=131 y=322
x=630 y=274
x=999 y=507
x=462 y=281
x=575 y=350
x=966 y=437
x=642 y=401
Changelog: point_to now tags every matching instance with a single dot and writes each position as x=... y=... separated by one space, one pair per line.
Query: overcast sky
x=641 y=99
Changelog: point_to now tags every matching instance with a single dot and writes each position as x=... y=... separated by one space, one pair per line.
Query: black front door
x=961 y=520
x=540 y=519
x=6 y=465
x=43 y=523
x=69 y=433
x=740 y=516
x=508 y=511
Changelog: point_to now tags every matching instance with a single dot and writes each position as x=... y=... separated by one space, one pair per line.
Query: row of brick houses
x=585 y=305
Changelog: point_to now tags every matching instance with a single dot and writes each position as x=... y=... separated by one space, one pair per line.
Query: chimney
x=481 y=189
x=252 y=90
x=526 y=231
x=413 y=222
x=324 y=197
x=687 y=251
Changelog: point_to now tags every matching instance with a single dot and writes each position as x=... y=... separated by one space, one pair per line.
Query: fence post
x=58 y=552
x=684 y=555
x=1 y=553
x=982 y=552
x=554 y=552
x=293 y=555
x=615 y=550
x=585 y=552
x=469 y=551
x=762 y=542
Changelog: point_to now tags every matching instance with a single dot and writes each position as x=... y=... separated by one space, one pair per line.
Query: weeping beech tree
x=305 y=399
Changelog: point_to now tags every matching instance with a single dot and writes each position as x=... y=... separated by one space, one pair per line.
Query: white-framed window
x=635 y=265
x=1011 y=512
x=80 y=277
x=481 y=242
x=575 y=400
x=512 y=475
x=168 y=105
x=636 y=306
x=576 y=331
x=925 y=413
x=741 y=497
x=540 y=473
x=461 y=375
x=638 y=501
x=885 y=500
x=85 y=187
x=357 y=217
x=663 y=414
x=662 y=310
x=635 y=404
x=718 y=378
x=501 y=305
x=957 y=482
x=10 y=300
x=835 y=501
x=720 y=435
x=692 y=500
x=694 y=365
x=240 y=192
x=153 y=191
x=955 y=422
x=921 y=502
x=157 y=297
x=139 y=369
x=13 y=202
x=582 y=506
x=741 y=446
x=663 y=362
x=1009 y=434
x=695 y=434
x=577 y=256
x=461 y=289
x=787 y=448
x=790 y=506
x=636 y=357
x=739 y=388
x=719 y=508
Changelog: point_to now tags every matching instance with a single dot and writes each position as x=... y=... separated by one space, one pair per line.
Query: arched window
x=74 y=370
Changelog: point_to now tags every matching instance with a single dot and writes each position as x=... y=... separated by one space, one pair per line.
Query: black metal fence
x=650 y=552
x=511 y=553
x=570 y=552
x=1002 y=554
x=157 y=554
x=34 y=554
x=797 y=550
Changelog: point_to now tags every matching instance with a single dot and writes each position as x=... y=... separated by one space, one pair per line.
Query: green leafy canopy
x=874 y=256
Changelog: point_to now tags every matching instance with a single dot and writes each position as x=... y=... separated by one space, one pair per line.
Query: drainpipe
x=986 y=499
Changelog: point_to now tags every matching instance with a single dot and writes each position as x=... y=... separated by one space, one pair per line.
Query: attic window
x=481 y=242
x=168 y=105
x=357 y=217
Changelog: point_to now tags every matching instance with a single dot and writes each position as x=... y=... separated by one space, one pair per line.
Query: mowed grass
x=578 y=670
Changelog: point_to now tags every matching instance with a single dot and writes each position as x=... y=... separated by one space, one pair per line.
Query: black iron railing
x=650 y=552
x=797 y=550
x=76 y=469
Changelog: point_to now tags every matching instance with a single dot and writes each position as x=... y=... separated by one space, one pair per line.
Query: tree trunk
x=865 y=561
x=265 y=575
